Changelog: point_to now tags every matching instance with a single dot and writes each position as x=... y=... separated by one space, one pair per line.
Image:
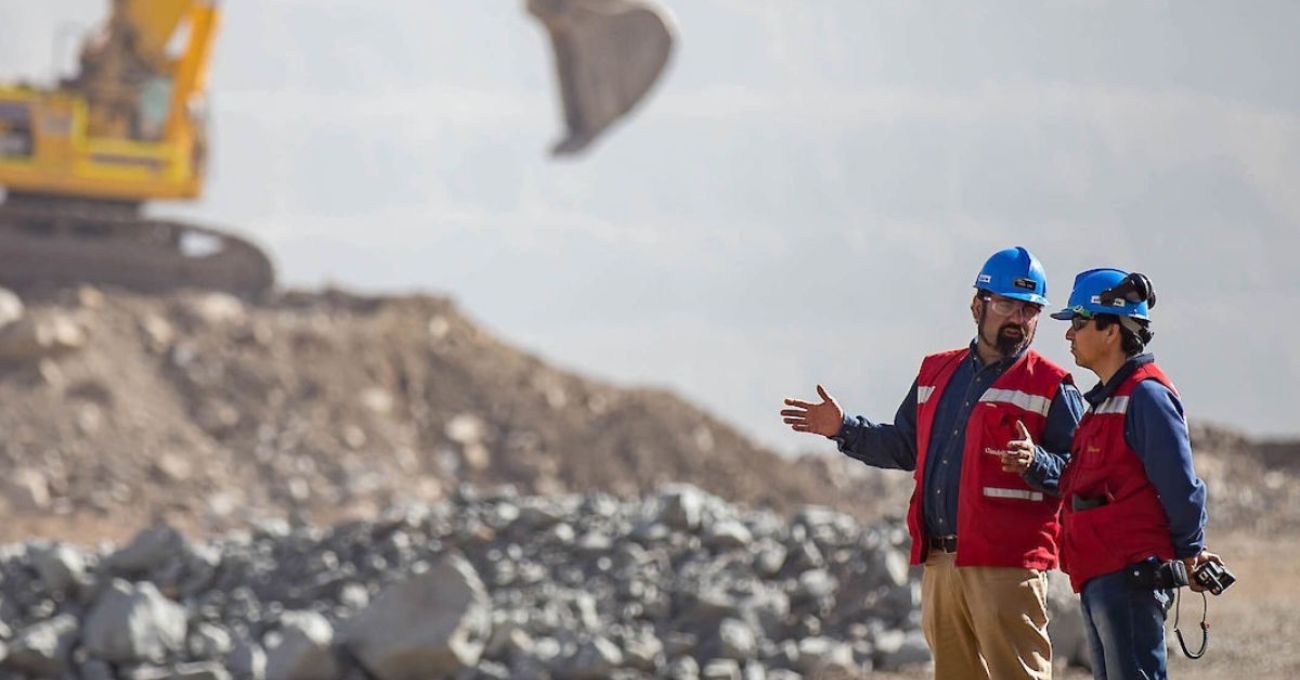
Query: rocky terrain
x=280 y=471
x=486 y=585
x=209 y=413
x=501 y=587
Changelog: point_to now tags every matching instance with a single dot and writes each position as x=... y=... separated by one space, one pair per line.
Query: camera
x=1214 y=577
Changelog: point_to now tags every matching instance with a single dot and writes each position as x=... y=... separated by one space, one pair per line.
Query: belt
x=1078 y=502
x=1152 y=574
x=946 y=544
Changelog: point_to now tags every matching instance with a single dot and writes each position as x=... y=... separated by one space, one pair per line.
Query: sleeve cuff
x=842 y=435
x=1035 y=471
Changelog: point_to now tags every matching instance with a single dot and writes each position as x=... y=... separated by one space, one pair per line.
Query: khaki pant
x=985 y=623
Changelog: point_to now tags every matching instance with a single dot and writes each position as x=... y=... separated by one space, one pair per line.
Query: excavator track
x=51 y=243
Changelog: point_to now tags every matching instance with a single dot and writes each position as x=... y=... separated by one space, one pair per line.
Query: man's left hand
x=1019 y=454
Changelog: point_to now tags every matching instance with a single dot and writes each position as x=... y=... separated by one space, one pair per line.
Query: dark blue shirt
x=893 y=445
x=1155 y=428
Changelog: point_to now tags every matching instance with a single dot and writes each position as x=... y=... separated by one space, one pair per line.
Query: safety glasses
x=1079 y=320
x=1007 y=307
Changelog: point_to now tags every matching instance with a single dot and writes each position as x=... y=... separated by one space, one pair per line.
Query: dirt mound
x=208 y=412
x=197 y=408
x=1252 y=485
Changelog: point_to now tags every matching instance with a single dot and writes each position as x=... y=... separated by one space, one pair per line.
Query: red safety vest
x=1001 y=520
x=1132 y=525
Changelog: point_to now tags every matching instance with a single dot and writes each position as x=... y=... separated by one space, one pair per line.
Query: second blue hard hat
x=1014 y=273
x=1086 y=297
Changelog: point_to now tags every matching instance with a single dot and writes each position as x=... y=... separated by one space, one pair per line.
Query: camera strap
x=1205 y=627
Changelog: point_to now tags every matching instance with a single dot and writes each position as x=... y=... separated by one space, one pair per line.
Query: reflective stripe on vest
x=923 y=393
x=995 y=492
x=1113 y=405
x=1024 y=400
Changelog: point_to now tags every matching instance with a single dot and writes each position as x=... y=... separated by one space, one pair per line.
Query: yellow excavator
x=78 y=160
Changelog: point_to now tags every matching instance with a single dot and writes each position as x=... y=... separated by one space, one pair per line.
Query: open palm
x=824 y=418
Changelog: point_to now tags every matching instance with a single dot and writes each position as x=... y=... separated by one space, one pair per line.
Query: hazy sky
x=806 y=197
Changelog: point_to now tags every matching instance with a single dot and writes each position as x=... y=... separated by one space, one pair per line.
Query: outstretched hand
x=1019 y=453
x=824 y=419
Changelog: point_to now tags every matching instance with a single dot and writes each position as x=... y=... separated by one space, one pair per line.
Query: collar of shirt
x=1000 y=364
x=1102 y=392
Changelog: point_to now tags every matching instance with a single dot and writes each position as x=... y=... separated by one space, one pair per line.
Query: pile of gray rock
x=486 y=585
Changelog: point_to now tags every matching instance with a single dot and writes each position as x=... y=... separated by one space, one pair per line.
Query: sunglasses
x=1005 y=307
x=1079 y=320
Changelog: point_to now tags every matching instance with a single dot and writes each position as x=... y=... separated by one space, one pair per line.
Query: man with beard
x=985 y=533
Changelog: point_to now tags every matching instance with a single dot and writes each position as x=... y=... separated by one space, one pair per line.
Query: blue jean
x=1126 y=628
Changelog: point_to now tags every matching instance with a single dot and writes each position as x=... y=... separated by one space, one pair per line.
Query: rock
x=644 y=651
x=815 y=584
x=30 y=338
x=596 y=659
x=209 y=641
x=60 y=566
x=890 y=565
x=681 y=506
x=736 y=641
x=721 y=669
x=42 y=649
x=158 y=332
x=302 y=649
x=769 y=559
x=173 y=467
x=202 y=670
x=377 y=400
x=134 y=622
x=150 y=549
x=145 y=672
x=247 y=660
x=217 y=308
x=11 y=308
x=465 y=429
x=819 y=654
x=728 y=535
x=431 y=625
x=684 y=668
x=28 y=489
x=96 y=669
x=897 y=649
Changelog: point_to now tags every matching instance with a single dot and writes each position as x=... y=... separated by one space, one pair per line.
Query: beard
x=1012 y=338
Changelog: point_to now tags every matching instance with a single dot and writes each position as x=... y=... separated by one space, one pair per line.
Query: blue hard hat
x=1086 y=298
x=1014 y=273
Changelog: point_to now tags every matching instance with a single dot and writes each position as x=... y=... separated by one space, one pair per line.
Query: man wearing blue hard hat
x=1132 y=503
x=986 y=533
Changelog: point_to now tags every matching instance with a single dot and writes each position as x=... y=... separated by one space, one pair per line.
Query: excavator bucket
x=608 y=54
